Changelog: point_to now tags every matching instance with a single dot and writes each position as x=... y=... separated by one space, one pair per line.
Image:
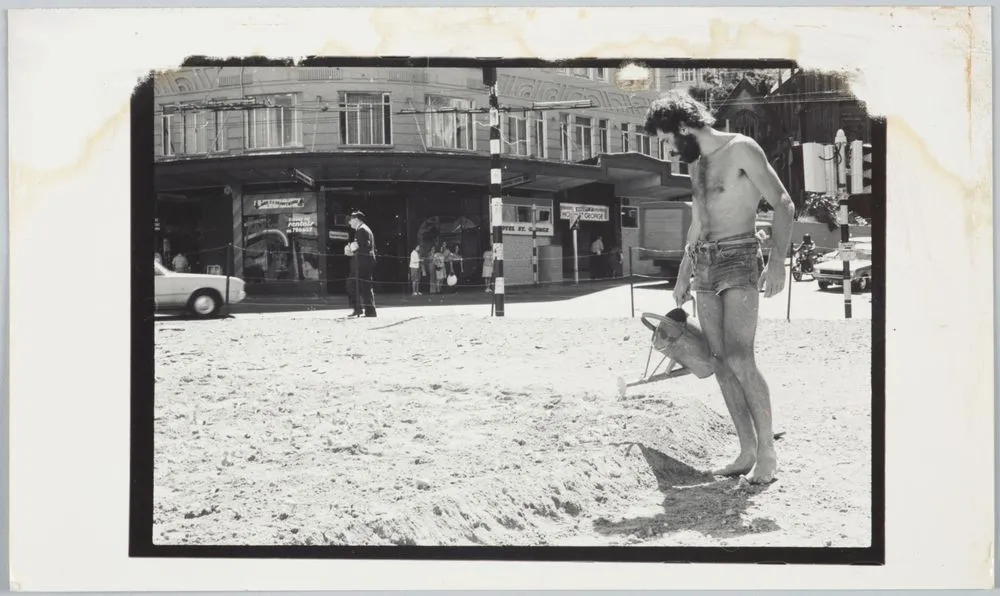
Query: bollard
x=791 y=280
x=229 y=266
x=631 y=281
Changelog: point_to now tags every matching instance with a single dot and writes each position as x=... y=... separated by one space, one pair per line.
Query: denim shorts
x=733 y=262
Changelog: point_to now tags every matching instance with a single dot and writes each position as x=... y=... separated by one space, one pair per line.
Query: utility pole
x=846 y=250
x=534 y=241
x=496 y=189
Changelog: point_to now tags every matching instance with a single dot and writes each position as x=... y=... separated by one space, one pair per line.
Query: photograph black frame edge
x=142 y=364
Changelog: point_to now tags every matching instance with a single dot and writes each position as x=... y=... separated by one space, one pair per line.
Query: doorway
x=385 y=214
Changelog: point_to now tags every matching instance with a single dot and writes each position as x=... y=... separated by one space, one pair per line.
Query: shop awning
x=344 y=168
x=640 y=176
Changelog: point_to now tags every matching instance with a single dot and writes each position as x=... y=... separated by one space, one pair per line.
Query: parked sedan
x=831 y=270
x=195 y=293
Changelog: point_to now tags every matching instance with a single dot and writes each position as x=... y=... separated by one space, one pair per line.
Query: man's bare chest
x=719 y=178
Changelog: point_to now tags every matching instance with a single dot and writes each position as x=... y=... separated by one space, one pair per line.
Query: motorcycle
x=804 y=263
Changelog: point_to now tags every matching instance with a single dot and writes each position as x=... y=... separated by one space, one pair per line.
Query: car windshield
x=863 y=251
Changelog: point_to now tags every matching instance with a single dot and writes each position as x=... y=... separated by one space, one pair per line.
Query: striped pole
x=845 y=227
x=845 y=234
x=534 y=242
x=496 y=189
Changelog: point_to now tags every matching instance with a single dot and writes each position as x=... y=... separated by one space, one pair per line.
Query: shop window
x=450 y=123
x=365 y=119
x=276 y=125
x=522 y=214
x=280 y=240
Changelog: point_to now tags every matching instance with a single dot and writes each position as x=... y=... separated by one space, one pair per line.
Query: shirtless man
x=729 y=175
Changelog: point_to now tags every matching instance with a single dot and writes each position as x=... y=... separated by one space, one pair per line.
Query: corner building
x=272 y=160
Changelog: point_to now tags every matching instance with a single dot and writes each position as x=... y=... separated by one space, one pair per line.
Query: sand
x=466 y=430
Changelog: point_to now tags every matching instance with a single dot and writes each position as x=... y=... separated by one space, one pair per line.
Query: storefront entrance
x=193 y=232
x=597 y=203
x=385 y=211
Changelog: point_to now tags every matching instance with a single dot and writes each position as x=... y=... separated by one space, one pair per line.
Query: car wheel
x=204 y=303
x=797 y=275
x=824 y=285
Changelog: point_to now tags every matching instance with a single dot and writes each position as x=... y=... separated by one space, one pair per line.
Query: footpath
x=461 y=296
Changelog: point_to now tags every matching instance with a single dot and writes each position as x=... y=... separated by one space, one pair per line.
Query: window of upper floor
x=450 y=123
x=277 y=124
x=594 y=74
x=191 y=132
x=525 y=133
x=642 y=142
x=365 y=118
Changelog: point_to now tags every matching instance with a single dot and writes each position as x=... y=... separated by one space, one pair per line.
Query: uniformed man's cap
x=358 y=214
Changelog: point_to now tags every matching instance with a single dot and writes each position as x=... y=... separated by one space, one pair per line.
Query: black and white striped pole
x=534 y=242
x=846 y=252
x=496 y=190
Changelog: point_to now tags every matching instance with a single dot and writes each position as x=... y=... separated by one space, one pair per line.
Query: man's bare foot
x=743 y=464
x=763 y=471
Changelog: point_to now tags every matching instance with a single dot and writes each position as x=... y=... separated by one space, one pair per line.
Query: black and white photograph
x=616 y=306
x=451 y=297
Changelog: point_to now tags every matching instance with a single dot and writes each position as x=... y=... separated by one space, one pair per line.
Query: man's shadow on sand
x=692 y=500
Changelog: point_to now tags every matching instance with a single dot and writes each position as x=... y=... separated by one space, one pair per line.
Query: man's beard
x=687 y=148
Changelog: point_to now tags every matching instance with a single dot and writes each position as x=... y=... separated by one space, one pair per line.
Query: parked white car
x=196 y=293
x=830 y=270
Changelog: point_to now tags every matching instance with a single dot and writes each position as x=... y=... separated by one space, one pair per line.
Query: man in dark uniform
x=360 y=293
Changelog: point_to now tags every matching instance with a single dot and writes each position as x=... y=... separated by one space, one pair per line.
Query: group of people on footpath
x=440 y=264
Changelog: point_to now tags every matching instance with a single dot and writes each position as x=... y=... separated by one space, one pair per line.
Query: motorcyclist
x=807 y=246
x=805 y=254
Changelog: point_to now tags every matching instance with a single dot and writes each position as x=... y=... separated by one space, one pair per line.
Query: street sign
x=585 y=212
x=846 y=251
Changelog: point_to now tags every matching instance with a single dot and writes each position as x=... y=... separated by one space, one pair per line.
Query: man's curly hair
x=672 y=109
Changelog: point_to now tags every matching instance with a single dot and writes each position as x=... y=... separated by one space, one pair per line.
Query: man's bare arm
x=694 y=230
x=765 y=179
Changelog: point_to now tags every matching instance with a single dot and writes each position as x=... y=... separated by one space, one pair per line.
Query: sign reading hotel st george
x=524 y=229
x=586 y=212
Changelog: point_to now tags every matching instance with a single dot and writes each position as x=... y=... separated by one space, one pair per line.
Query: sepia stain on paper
x=522 y=33
x=27 y=182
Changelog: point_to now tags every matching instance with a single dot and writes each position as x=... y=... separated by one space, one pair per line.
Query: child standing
x=437 y=271
x=488 y=270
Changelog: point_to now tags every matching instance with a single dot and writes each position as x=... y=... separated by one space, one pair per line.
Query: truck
x=663 y=234
x=664 y=231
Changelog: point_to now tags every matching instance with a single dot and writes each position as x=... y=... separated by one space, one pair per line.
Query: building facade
x=258 y=167
x=807 y=107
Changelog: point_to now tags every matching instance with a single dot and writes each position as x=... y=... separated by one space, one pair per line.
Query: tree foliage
x=716 y=87
x=826 y=209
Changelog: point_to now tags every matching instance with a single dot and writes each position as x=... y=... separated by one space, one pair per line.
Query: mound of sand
x=455 y=431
